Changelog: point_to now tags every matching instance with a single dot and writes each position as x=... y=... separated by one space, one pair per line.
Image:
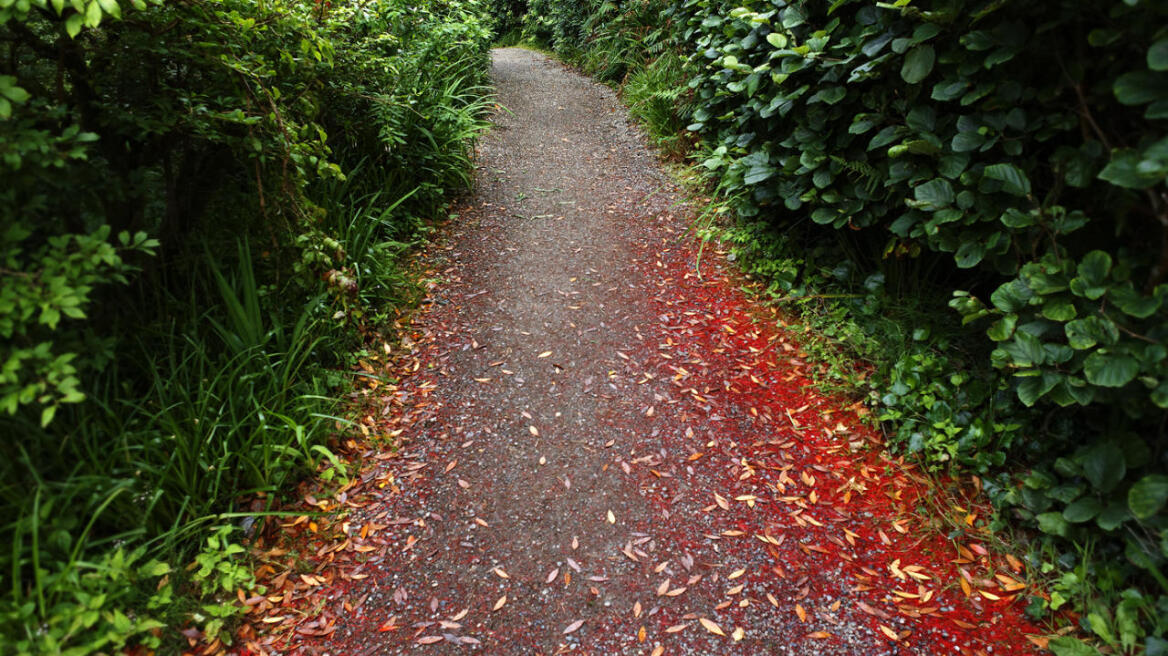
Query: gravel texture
x=602 y=451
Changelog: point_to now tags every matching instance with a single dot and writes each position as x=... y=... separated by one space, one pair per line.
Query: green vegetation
x=969 y=196
x=201 y=221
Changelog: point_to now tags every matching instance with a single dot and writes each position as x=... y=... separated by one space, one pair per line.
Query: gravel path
x=601 y=452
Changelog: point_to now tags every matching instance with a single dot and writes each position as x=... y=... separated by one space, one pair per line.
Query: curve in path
x=602 y=452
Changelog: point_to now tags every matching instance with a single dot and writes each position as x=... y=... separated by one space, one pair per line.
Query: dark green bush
x=202 y=213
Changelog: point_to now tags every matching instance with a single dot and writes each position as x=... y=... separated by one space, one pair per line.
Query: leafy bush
x=203 y=213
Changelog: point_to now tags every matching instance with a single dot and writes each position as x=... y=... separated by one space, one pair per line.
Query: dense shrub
x=971 y=196
x=202 y=213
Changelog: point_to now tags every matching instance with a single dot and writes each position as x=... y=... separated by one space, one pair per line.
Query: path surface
x=602 y=453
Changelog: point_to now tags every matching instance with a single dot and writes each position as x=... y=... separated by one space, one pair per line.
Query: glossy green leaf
x=1140 y=87
x=1014 y=181
x=935 y=193
x=1148 y=496
x=777 y=39
x=1110 y=370
x=918 y=63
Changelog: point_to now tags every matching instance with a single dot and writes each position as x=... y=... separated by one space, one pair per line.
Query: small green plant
x=220 y=568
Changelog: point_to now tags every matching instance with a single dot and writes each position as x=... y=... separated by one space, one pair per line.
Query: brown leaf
x=500 y=603
x=711 y=627
x=721 y=501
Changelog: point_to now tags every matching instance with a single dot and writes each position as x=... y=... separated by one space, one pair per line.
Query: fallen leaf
x=573 y=626
x=499 y=604
x=711 y=627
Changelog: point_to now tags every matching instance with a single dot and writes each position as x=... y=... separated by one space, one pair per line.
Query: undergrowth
x=204 y=218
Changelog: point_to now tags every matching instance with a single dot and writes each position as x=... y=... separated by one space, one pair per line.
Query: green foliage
x=204 y=210
x=507 y=17
x=657 y=97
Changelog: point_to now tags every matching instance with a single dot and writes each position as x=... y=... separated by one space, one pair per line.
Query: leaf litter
x=751 y=505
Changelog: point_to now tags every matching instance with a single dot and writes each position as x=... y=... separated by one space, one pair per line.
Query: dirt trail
x=602 y=453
